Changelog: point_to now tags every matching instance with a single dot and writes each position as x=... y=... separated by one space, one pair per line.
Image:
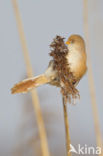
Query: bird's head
x=76 y=41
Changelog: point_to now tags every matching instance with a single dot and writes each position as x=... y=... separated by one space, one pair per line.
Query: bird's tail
x=28 y=84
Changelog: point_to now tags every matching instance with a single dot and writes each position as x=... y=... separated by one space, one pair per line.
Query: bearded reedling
x=65 y=70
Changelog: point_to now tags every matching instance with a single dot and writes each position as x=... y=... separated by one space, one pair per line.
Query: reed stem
x=67 y=134
x=91 y=80
x=35 y=99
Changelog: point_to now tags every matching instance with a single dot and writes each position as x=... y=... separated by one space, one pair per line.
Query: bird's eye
x=72 y=41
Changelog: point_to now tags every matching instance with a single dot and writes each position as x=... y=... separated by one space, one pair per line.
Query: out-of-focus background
x=42 y=21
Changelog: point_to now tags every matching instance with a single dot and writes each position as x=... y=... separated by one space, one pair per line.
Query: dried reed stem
x=91 y=80
x=36 y=105
x=66 y=126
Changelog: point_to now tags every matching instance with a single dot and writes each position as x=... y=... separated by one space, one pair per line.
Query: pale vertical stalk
x=35 y=99
x=67 y=135
x=91 y=80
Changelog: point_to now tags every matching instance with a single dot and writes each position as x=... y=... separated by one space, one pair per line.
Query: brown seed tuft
x=59 y=52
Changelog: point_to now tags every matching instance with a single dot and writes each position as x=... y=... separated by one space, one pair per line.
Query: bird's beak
x=67 y=42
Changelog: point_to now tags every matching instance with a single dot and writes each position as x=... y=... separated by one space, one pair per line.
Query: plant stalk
x=35 y=99
x=67 y=134
x=94 y=104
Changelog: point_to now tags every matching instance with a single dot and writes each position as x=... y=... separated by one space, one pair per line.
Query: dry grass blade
x=66 y=126
x=91 y=80
x=36 y=105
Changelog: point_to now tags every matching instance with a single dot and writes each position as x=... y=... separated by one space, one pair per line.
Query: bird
x=75 y=59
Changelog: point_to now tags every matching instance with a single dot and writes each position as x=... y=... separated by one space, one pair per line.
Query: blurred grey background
x=42 y=21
